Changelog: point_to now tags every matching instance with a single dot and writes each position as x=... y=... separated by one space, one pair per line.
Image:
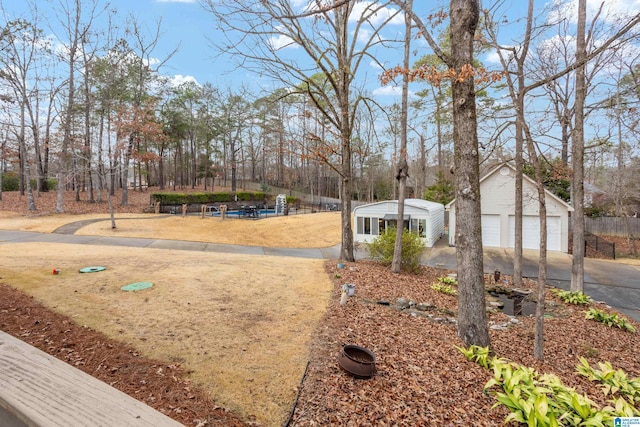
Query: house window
x=382 y=225
x=367 y=225
x=419 y=227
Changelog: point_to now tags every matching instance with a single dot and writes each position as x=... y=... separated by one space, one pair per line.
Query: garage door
x=531 y=232
x=491 y=230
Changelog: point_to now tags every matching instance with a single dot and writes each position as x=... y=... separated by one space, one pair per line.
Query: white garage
x=497 y=198
x=531 y=232
x=490 y=230
x=422 y=217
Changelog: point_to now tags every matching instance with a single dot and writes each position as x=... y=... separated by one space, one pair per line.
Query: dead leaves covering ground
x=422 y=379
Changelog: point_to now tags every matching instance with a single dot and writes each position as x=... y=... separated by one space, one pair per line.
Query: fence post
x=614 y=250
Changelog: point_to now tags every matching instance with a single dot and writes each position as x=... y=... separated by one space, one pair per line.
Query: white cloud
x=492 y=58
x=281 y=42
x=390 y=91
x=376 y=65
x=150 y=62
x=297 y=4
x=558 y=47
x=364 y=35
x=367 y=7
x=613 y=10
x=179 y=79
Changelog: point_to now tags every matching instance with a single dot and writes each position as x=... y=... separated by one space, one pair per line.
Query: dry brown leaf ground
x=422 y=379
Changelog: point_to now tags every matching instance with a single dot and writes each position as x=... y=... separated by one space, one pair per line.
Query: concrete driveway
x=617 y=284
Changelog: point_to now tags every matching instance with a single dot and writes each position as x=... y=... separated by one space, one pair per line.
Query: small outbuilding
x=497 y=199
x=422 y=217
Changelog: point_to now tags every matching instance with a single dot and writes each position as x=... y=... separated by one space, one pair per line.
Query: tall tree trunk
x=577 y=156
x=472 y=316
x=342 y=15
x=403 y=167
x=23 y=154
x=125 y=171
x=538 y=342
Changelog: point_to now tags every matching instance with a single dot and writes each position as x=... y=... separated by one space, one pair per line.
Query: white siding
x=497 y=197
x=419 y=211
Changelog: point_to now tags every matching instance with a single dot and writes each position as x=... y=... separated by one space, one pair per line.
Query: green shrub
x=10 y=181
x=204 y=198
x=572 y=297
x=611 y=380
x=609 y=319
x=291 y=200
x=448 y=281
x=382 y=248
x=445 y=289
x=542 y=399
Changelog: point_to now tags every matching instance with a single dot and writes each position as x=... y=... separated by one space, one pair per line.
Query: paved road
x=616 y=284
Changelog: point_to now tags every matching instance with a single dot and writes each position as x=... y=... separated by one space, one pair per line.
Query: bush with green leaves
x=448 y=281
x=573 y=297
x=204 y=198
x=609 y=319
x=10 y=181
x=383 y=246
x=613 y=381
x=445 y=289
x=542 y=399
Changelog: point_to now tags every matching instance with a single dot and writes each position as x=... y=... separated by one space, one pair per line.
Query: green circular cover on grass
x=137 y=286
x=92 y=269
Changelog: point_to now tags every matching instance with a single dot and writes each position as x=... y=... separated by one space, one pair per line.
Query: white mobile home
x=422 y=217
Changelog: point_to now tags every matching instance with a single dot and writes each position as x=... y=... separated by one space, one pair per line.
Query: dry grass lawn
x=317 y=230
x=240 y=323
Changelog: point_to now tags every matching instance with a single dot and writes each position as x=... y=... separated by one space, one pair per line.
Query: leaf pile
x=422 y=379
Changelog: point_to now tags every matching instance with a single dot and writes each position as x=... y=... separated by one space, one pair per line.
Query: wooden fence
x=613 y=226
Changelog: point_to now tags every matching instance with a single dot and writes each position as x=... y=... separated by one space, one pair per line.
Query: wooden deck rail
x=37 y=389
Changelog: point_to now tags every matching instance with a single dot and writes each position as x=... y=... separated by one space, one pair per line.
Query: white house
x=497 y=198
x=421 y=216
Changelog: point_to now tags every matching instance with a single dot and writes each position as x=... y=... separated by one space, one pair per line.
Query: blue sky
x=186 y=26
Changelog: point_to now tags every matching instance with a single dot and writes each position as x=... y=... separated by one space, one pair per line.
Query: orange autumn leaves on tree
x=135 y=124
x=431 y=74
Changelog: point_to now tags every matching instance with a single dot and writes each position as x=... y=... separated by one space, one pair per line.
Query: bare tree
x=402 y=170
x=335 y=42
x=76 y=31
x=577 y=154
x=21 y=44
x=464 y=18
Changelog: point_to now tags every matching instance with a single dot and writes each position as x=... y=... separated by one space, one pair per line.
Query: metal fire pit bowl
x=357 y=361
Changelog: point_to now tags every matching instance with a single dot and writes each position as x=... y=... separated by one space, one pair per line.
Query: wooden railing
x=37 y=389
